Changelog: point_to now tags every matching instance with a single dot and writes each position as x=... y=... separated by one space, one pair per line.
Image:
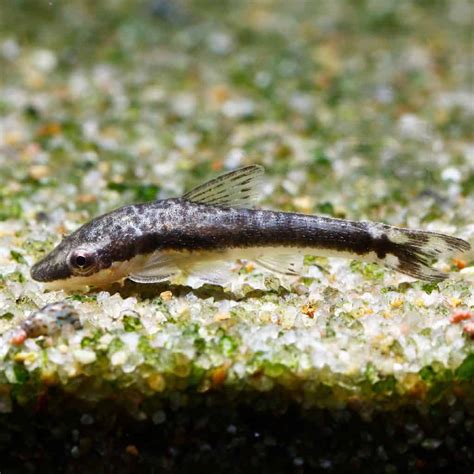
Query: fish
x=199 y=233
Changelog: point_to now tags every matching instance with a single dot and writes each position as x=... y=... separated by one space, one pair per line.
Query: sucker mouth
x=37 y=273
x=68 y=284
x=100 y=279
x=44 y=272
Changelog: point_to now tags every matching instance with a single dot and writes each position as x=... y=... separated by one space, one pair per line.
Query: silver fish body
x=153 y=241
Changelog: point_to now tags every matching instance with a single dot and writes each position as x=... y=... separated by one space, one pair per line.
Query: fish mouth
x=68 y=285
x=69 y=282
x=44 y=271
x=38 y=273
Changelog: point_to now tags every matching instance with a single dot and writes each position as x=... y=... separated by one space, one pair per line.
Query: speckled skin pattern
x=178 y=224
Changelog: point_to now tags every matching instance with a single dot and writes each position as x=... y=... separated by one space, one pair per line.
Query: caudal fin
x=413 y=251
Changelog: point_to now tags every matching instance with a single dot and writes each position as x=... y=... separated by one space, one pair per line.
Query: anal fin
x=286 y=264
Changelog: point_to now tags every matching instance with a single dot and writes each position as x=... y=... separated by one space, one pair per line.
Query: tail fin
x=413 y=251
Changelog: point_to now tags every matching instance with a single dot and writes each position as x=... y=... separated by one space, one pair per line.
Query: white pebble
x=119 y=358
x=84 y=356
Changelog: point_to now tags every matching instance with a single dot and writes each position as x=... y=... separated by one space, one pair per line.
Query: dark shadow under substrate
x=209 y=435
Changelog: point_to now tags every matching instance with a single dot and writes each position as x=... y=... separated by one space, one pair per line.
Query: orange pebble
x=219 y=375
x=86 y=198
x=18 y=338
x=309 y=310
x=460 y=264
x=217 y=165
x=132 y=449
x=49 y=129
x=459 y=316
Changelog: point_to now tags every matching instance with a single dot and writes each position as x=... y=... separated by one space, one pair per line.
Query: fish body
x=214 y=223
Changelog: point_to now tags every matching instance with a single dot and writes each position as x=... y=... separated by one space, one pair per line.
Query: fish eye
x=82 y=260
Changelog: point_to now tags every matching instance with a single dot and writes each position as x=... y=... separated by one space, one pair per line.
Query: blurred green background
x=366 y=103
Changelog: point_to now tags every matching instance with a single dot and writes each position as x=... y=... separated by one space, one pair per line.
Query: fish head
x=65 y=261
x=75 y=264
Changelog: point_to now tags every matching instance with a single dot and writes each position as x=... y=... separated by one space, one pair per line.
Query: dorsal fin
x=238 y=188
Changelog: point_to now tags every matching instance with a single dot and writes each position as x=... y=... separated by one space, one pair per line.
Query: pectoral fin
x=161 y=266
x=157 y=267
x=149 y=279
